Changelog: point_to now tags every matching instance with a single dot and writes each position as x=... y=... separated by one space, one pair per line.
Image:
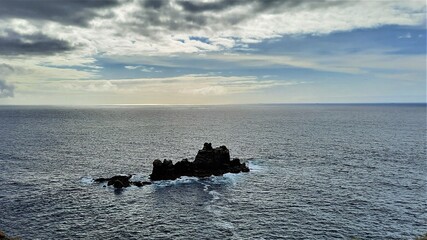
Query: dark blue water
x=317 y=172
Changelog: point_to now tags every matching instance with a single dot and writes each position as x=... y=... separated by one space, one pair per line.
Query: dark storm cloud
x=156 y=4
x=258 y=5
x=190 y=15
x=69 y=12
x=6 y=90
x=166 y=16
x=194 y=6
x=154 y=15
x=35 y=44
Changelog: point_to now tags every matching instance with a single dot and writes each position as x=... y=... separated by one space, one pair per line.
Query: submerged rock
x=209 y=161
x=121 y=181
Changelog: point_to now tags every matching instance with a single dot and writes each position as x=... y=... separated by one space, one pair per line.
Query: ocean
x=320 y=171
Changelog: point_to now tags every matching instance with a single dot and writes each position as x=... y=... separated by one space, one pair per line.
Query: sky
x=84 y=52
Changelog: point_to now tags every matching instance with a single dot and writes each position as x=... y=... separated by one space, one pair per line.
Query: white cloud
x=90 y=86
x=143 y=69
x=131 y=67
x=210 y=90
x=23 y=26
x=407 y=36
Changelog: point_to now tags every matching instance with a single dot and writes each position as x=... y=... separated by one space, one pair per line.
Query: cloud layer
x=168 y=48
x=203 y=85
x=13 y=43
x=75 y=12
x=121 y=27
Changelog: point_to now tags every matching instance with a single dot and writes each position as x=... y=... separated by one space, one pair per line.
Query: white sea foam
x=179 y=181
x=86 y=180
x=224 y=224
x=206 y=187
x=215 y=195
x=254 y=167
x=214 y=210
x=138 y=178
x=218 y=212
x=226 y=179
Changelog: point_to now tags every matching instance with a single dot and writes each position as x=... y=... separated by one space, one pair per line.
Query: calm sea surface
x=317 y=172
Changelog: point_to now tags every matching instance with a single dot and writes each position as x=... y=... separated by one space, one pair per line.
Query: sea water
x=317 y=172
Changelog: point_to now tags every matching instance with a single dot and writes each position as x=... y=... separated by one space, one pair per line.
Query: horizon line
x=222 y=104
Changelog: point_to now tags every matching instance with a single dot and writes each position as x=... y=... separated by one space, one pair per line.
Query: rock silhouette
x=121 y=181
x=209 y=161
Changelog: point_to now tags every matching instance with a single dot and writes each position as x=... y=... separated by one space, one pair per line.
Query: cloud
x=214 y=19
x=248 y=22
x=262 y=61
x=6 y=90
x=193 y=84
x=155 y=4
x=170 y=26
x=197 y=7
x=131 y=67
x=6 y=69
x=151 y=27
x=92 y=86
x=32 y=70
x=210 y=90
x=407 y=36
x=75 y=12
x=256 y=5
x=143 y=69
x=13 y=43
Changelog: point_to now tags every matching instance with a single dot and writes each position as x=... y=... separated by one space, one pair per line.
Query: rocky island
x=209 y=161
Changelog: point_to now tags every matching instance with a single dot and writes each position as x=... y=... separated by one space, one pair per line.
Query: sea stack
x=209 y=161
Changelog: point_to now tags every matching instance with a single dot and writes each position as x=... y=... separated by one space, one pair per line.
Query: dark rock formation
x=3 y=236
x=121 y=181
x=209 y=161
